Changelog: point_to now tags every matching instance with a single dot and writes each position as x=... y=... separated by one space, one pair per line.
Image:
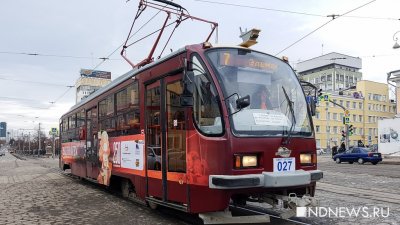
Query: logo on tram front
x=283 y=152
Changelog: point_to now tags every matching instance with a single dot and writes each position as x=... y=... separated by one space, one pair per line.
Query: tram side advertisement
x=123 y=154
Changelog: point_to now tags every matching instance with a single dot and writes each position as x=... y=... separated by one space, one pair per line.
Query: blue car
x=358 y=154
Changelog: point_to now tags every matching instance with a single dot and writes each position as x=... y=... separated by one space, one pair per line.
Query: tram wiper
x=286 y=141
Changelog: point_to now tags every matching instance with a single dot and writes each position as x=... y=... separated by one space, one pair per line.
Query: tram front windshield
x=277 y=102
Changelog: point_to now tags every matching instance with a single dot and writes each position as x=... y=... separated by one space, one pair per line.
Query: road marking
x=361 y=193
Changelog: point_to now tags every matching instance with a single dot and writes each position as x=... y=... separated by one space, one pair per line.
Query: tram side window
x=102 y=108
x=206 y=109
x=127 y=105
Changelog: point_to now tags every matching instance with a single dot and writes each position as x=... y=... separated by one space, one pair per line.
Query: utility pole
x=53 y=145
x=39 y=142
x=29 y=141
x=328 y=141
x=347 y=126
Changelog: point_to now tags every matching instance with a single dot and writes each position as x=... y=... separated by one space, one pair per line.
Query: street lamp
x=396 y=45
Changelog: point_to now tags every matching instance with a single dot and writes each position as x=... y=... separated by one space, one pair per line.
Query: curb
x=390 y=162
x=17 y=156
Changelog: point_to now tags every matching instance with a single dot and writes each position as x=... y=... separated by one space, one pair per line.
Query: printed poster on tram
x=73 y=150
x=128 y=152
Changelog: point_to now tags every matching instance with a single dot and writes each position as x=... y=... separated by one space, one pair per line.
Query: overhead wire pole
x=347 y=141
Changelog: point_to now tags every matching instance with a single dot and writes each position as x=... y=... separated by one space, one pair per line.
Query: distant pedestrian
x=342 y=148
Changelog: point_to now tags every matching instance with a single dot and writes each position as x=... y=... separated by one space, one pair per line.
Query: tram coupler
x=225 y=217
x=290 y=203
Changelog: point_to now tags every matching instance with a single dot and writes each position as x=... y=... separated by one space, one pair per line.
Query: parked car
x=154 y=157
x=2 y=152
x=358 y=154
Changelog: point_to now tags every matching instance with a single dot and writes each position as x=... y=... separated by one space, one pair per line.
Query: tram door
x=91 y=143
x=166 y=141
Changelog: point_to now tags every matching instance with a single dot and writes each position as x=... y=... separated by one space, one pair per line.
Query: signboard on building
x=95 y=73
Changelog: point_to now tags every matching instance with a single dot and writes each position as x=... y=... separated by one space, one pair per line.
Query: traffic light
x=343 y=135
x=350 y=130
x=320 y=95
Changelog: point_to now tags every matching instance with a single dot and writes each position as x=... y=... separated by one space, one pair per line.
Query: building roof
x=328 y=59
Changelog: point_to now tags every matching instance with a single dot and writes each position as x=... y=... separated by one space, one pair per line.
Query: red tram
x=197 y=130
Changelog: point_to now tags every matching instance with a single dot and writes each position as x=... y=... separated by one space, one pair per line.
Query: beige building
x=368 y=103
x=90 y=81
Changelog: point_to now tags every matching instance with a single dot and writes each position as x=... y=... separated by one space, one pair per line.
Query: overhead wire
x=52 y=55
x=289 y=11
x=129 y=37
x=33 y=82
x=313 y=31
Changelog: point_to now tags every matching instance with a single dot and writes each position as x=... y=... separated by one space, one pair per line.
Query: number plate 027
x=284 y=164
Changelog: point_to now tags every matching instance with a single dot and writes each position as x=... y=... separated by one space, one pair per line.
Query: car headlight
x=305 y=158
x=242 y=161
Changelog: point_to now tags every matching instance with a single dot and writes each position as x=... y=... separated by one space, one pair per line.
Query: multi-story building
x=368 y=103
x=331 y=72
x=90 y=81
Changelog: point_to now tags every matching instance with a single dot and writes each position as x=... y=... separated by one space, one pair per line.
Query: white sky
x=70 y=35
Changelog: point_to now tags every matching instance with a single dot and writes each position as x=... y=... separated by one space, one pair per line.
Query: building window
x=354 y=118
x=317 y=115
x=360 y=105
x=354 y=105
x=328 y=129
x=360 y=118
x=384 y=108
x=341 y=116
x=334 y=116
x=341 y=102
x=329 y=77
x=317 y=129
x=328 y=116
x=348 y=104
x=335 y=130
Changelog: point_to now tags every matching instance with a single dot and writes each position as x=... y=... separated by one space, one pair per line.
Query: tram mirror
x=188 y=83
x=243 y=102
x=186 y=100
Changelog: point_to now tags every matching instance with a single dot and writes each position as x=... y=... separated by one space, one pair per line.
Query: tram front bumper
x=266 y=179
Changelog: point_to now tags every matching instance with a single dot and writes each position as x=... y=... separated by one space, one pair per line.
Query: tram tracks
x=267 y=212
x=360 y=193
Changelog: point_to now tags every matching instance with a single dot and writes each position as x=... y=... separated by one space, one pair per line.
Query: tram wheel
x=125 y=188
x=152 y=205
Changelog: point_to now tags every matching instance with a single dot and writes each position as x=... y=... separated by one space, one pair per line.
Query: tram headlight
x=243 y=161
x=249 y=161
x=305 y=158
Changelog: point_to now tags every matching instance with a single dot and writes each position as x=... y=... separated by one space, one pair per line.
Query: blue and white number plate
x=284 y=164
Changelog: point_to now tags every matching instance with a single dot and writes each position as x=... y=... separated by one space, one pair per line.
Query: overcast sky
x=74 y=34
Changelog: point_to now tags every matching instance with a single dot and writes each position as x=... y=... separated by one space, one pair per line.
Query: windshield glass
x=265 y=79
